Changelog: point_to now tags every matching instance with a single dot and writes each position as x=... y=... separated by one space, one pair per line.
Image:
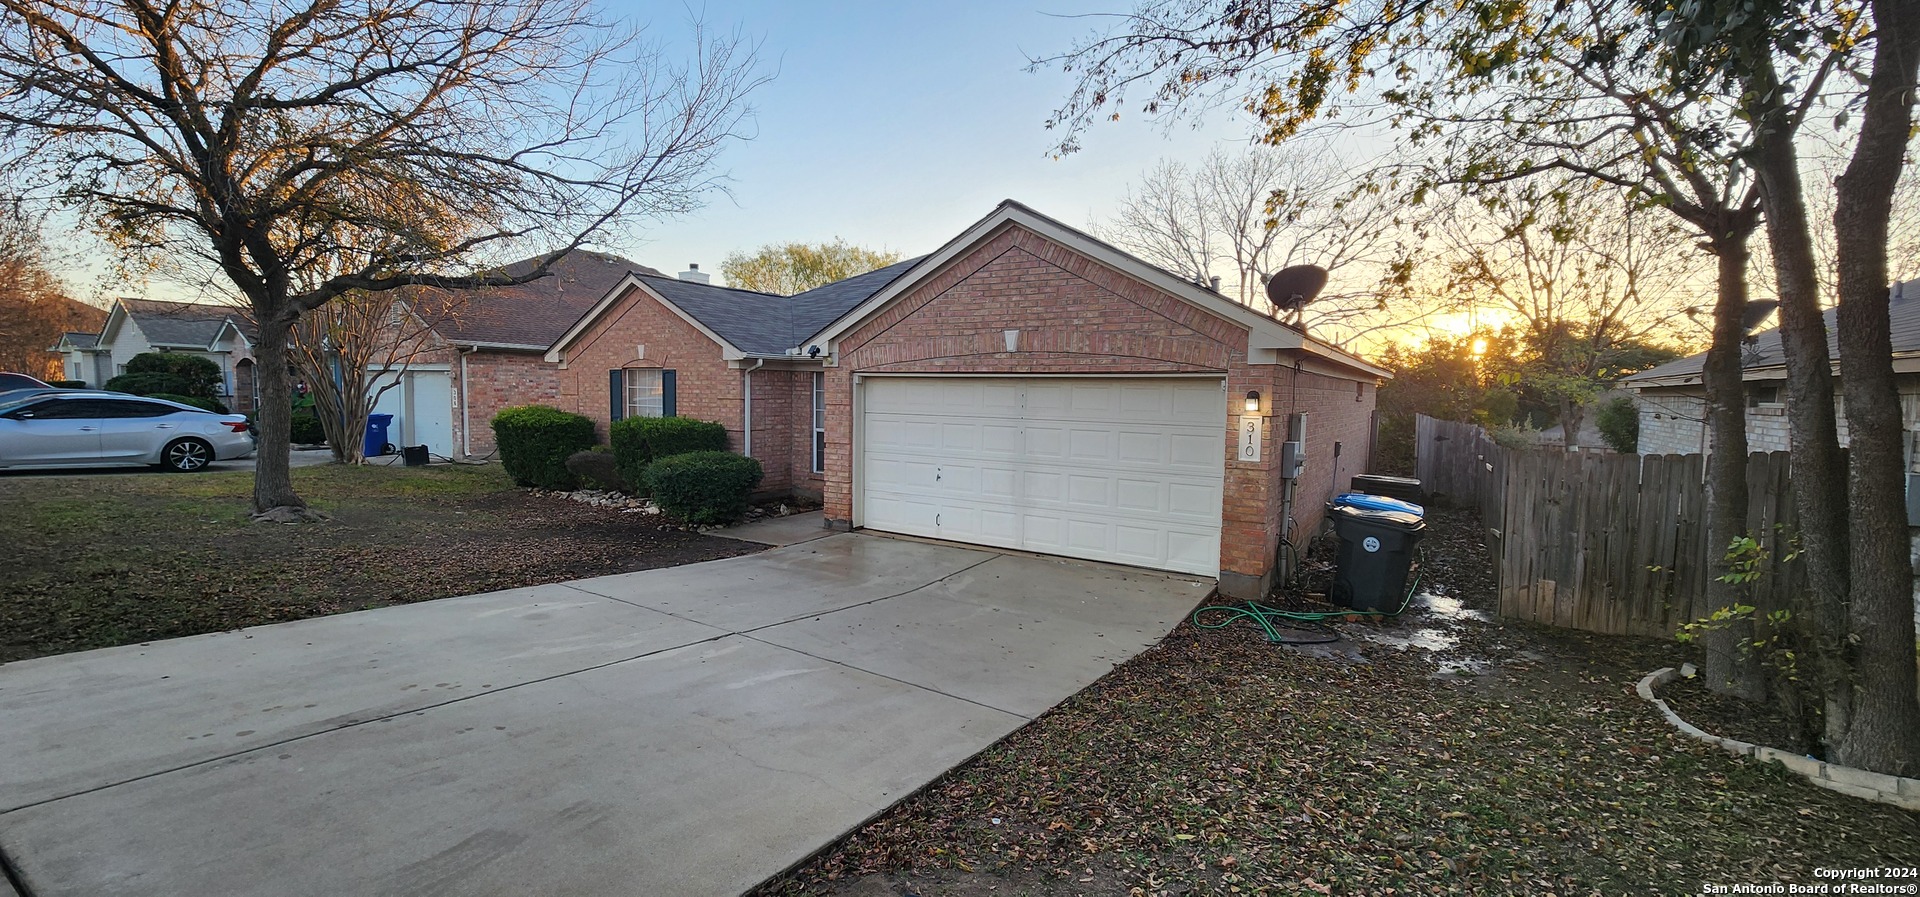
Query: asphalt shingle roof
x=1903 y=313
x=530 y=314
x=181 y=324
x=82 y=340
x=814 y=309
x=766 y=324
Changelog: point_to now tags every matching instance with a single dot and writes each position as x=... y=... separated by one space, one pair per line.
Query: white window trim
x=818 y=408
x=631 y=401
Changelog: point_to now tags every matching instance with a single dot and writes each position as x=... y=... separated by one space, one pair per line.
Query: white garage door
x=1109 y=469
x=421 y=402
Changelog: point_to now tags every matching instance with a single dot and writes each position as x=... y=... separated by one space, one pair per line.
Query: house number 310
x=1250 y=438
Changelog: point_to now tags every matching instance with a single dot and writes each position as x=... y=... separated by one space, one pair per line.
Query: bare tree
x=1588 y=279
x=307 y=150
x=348 y=351
x=1247 y=215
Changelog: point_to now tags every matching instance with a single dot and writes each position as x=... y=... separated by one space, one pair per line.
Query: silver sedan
x=75 y=428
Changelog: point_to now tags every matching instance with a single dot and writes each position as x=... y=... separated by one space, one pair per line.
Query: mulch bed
x=1509 y=759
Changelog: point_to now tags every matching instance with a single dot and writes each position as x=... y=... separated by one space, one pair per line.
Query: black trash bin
x=1376 y=553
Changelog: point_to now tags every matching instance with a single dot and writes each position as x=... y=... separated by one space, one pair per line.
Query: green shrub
x=703 y=487
x=306 y=430
x=212 y=405
x=535 y=442
x=198 y=376
x=639 y=441
x=1619 y=424
x=596 y=468
x=151 y=383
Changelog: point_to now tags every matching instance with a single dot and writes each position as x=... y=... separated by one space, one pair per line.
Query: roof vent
x=693 y=274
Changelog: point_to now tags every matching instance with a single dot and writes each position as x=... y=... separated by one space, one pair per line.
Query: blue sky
x=896 y=125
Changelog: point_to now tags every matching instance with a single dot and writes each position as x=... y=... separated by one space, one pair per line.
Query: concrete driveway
x=692 y=730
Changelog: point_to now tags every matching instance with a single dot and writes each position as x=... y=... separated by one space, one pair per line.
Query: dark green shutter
x=616 y=395
x=666 y=394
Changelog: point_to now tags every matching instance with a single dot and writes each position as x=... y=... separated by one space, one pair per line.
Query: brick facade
x=1673 y=420
x=707 y=386
x=1075 y=316
x=493 y=379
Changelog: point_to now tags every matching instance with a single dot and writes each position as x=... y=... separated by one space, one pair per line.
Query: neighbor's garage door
x=1121 y=470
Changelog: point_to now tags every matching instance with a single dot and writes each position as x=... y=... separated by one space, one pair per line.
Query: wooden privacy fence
x=1605 y=543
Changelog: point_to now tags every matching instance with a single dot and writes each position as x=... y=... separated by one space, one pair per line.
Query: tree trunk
x=1884 y=734
x=1731 y=667
x=1816 y=466
x=1573 y=416
x=272 y=479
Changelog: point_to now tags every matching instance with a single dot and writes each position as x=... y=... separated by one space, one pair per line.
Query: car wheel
x=186 y=455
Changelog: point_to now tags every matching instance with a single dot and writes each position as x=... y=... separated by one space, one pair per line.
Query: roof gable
x=1266 y=336
x=173 y=325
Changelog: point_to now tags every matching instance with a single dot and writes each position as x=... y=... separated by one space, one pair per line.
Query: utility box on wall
x=1293 y=460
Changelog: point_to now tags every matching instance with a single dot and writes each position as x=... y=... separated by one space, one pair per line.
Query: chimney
x=695 y=275
x=1213 y=283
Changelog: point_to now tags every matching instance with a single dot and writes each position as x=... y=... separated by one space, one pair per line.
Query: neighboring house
x=482 y=351
x=1673 y=403
x=219 y=333
x=1026 y=386
x=76 y=356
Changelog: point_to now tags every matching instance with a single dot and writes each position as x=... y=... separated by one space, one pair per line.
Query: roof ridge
x=713 y=286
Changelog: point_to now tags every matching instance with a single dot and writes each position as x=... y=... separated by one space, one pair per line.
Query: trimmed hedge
x=535 y=442
x=151 y=383
x=306 y=429
x=596 y=468
x=705 y=488
x=212 y=405
x=639 y=441
x=197 y=375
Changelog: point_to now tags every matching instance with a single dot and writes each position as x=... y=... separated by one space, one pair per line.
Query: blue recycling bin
x=376 y=444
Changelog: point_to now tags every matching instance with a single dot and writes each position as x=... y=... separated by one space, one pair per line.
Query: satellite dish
x=1289 y=289
x=1757 y=312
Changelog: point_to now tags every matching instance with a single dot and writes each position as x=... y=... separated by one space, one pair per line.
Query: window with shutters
x=646 y=392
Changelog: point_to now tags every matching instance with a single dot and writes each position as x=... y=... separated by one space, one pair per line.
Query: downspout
x=746 y=407
x=466 y=416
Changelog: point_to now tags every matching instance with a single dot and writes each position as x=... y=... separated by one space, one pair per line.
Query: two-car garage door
x=1127 y=470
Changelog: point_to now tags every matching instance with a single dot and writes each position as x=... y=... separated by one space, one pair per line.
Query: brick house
x=475 y=352
x=1673 y=404
x=1025 y=386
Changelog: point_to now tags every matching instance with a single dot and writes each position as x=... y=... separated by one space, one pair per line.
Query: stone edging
x=1877 y=787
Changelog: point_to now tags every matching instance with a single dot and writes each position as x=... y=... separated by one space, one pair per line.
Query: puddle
x=1431 y=639
x=1449 y=609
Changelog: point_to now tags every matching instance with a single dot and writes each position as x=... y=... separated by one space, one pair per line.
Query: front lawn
x=1217 y=764
x=112 y=559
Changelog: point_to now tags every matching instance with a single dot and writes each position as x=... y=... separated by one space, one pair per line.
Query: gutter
x=466 y=406
x=746 y=407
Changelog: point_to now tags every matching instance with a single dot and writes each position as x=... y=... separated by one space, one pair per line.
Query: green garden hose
x=1297 y=620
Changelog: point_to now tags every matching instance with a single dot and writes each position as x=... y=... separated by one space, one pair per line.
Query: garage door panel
x=1119 y=470
x=1045 y=442
x=1197 y=452
x=1000 y=440
x=1096 y=491
x=1194 y=501
x=1090 y=445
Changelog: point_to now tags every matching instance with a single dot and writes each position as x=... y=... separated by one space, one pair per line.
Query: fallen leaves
x=1218 y=764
